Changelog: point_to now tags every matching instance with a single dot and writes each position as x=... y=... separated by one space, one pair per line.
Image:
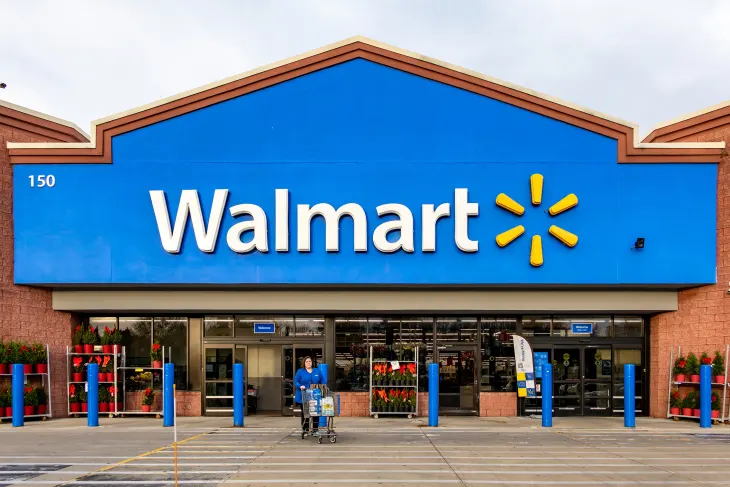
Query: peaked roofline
x=98 y=149
x=41 y=123
x=693 y=123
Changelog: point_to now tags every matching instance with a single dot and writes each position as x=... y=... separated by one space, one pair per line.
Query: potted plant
x=156 y=355
x=688 y=404
x=90 y=339
x=718 y=368
x=705 y=359
x=693 y=367
x=78 y=374
x=26 y=358
x=29 y=401
x=715 y=405
x=78 y=339
x=108 y=367
x=116 y=340
x=104 y=399
x=8 y=394
x=3 y=401
x=412 y=400
x=112 y=393
x=41 y=358
x=3 y=362
x=680 y=369
x=693 y=402
x=411 y=374
x=147 y=399
x=675 y=403
x=73 y=399
x=41 y=401
x=106 y=341
x=83 y=399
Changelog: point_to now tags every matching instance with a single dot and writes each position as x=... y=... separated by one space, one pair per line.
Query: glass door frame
x=476 y=357
x=206 y=381
x=641 y=383
x=587 y=410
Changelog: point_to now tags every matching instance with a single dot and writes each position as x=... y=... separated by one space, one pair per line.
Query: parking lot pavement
x=367 y=453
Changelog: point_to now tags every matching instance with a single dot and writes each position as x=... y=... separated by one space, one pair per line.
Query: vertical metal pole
x=324 y=370
x=92 y=395
x=174 y=430
x=18 y=390
x=547 y=396
x=433 y=394
x=238 y=395
x=705 y=396
x=168 y=397
x=629 y=396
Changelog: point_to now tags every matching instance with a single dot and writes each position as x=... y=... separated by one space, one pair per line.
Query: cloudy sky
x=644 y=61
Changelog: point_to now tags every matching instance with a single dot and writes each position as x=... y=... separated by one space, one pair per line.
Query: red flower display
x=156 y=347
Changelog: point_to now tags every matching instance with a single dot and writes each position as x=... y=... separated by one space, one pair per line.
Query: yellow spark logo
x=564 y=236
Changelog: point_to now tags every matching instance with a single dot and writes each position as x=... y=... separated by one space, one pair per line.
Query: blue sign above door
x=264 y=328
x=582 y=328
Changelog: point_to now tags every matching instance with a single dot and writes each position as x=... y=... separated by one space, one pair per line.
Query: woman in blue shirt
x=305 y=377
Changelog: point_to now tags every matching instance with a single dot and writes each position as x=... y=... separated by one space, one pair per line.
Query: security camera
x=3 y=85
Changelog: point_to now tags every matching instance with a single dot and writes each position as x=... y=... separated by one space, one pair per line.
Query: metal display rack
x=411 y=387
x=674 y=385
x=45 y=382
x=120 y=369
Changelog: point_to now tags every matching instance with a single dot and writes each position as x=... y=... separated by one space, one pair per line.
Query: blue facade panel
x=371 y=135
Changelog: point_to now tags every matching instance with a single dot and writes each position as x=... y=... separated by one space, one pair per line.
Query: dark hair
x=304 y=360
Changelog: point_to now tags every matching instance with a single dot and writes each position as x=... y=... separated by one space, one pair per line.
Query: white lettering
x=189 y=205
x=462 y=211
x=404 y=223
x=257 y=224
x=332 y=222
x=429 y=218
x=282 y=220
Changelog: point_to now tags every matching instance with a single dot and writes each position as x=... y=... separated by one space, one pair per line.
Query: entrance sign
x=264 y=328
x=582 y=328
x=525 y=371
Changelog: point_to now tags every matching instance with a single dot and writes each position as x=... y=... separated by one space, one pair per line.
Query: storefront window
x=351 y=354
x=628 y=326
x=283 y=325
x=103 y=322
x=309 y=326
x=172 y=334
x=536 y=326
x=136 y=340
x=456 y=329
x=218 y=326
x=572 y=326
x=498 y=358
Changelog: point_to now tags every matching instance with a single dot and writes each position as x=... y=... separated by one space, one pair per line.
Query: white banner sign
x=524 y=367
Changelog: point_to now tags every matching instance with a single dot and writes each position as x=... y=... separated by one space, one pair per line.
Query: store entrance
x=588 y=379
x=458 y=380
x=268 y=376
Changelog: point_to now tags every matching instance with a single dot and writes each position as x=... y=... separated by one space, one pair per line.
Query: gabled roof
x=98 y=150
x=692 y=123
x=39 y=123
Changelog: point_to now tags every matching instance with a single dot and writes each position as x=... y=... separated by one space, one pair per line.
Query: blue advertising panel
x=582 y=328
x=363 y=174
x=540 y=359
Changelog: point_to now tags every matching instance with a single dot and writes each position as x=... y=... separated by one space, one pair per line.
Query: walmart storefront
x=363 y=196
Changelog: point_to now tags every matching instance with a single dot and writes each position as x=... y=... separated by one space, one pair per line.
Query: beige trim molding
x=364 y=300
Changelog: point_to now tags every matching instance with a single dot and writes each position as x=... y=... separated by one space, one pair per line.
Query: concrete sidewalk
x=497 y=425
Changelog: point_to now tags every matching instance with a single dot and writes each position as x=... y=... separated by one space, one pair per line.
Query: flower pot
x=674 y=411
x=41 y=368
x=110 y=376
x=157 y=364
x=3 y=368
x=77 y=377
x=27 y=369
x=715 y=414
x=719 y=379
x=88 y=348
x=9 y=412
x=103 y=407
x=40 y=409
x=28 y=410
x=694 y=378
x=110 y=407
x=686 y=411
x=116 y=348
x=146 y=408
x=696 y=413
x=84 y=407
x=75 y=407
x=106 y=348
x=680 y=378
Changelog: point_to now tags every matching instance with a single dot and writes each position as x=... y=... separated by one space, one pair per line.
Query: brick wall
x=25 y=312
x=490 y=404
x=702 y=322
x=187 y=402
x=497 y=404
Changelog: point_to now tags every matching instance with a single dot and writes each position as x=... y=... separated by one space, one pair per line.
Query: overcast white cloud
x=644 y=61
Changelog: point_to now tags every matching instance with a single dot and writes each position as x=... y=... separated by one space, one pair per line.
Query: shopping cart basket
x=319 y=401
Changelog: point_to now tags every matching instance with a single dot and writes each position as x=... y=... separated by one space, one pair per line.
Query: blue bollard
x=18 y=392
x=238 y=395
x=92 y=394
x=547 y=396
x=705 y=396
x=323 y=369
x=629 y=396
x=433 y=394
x=168 y=395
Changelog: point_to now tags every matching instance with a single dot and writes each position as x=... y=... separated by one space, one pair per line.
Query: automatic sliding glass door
x=219 y=360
